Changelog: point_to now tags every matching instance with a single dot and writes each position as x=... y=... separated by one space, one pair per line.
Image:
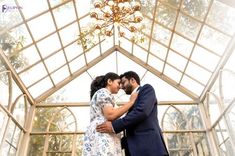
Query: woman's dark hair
x=102 y=81
x=131 y=74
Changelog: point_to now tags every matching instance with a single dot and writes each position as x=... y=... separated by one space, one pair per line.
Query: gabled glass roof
x=51 y=43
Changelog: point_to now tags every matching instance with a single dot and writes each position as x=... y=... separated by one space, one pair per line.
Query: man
x=144 y=136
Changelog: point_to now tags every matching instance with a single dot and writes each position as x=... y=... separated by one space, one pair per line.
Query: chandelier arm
x=124 y=26
x=125 y=15
x=107 y=25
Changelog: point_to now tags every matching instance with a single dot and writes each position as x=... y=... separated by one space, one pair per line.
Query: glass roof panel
x=77 y=90
x=197 y=9
x=142 y=40
x=85 y=22
x=39 y=22
x=172 y=72
x=33 y=74
x=198 y=73
x=21 y=34
x=147 y=24
x=158 y=50
x=165 y=15
x=92 y=53
x=163 y=89
x=83 y=7
x=77 y=63
x=45 y=46
x=107 y=44
x=221 y=12
x=161 y=34
x=110 y=64
x=125 y=64
x=173 y=3
x=213 y=40
x=55 y=61
x=181 y=45
x=69 y=34
x=73 y=51
x=177 y=60
x=172 y=45
x=192 y=85
x=63 y=10
x=30 y=56
x=60 y=74
x=205 y=58
x=40 y=87
x=140 y=53
x=30 y=10
x=147 y=7
x=70 y=93
x=188 y=26
x=155 y=63
x=126 y=44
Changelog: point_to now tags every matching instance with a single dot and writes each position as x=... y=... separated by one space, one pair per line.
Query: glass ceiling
x=180 y=47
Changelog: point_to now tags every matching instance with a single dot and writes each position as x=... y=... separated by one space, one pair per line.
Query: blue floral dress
x=95 y=143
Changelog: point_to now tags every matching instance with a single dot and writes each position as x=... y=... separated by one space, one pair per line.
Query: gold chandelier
x=114 y=14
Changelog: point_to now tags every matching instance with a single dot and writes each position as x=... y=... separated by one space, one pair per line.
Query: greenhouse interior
x=51 y=51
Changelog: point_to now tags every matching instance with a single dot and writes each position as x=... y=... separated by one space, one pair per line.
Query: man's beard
x=129 y=89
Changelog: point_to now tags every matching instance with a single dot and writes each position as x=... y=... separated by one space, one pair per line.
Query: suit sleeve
x=141 y=110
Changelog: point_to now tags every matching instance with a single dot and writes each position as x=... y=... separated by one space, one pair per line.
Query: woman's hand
x=133 y=97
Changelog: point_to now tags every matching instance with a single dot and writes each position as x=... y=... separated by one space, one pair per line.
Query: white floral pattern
x=95 y=143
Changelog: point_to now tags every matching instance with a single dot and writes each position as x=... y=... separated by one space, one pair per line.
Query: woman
x=102 y=108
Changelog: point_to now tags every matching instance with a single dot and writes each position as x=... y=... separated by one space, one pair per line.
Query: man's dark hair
x=102 y=81
x=131 y=74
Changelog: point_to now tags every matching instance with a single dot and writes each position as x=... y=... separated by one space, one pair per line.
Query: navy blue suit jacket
x=144 y=136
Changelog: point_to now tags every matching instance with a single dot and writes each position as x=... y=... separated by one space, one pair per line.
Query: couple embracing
x=143 y=136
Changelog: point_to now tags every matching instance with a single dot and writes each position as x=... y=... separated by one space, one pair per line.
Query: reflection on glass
x=166 y=15
x=147 y=7
x=197 y=9
x=161 y=34
x=187 y=27
x=36 y=145
x=222 y=17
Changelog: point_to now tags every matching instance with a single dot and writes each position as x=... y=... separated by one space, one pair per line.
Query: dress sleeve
x=104 y=99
